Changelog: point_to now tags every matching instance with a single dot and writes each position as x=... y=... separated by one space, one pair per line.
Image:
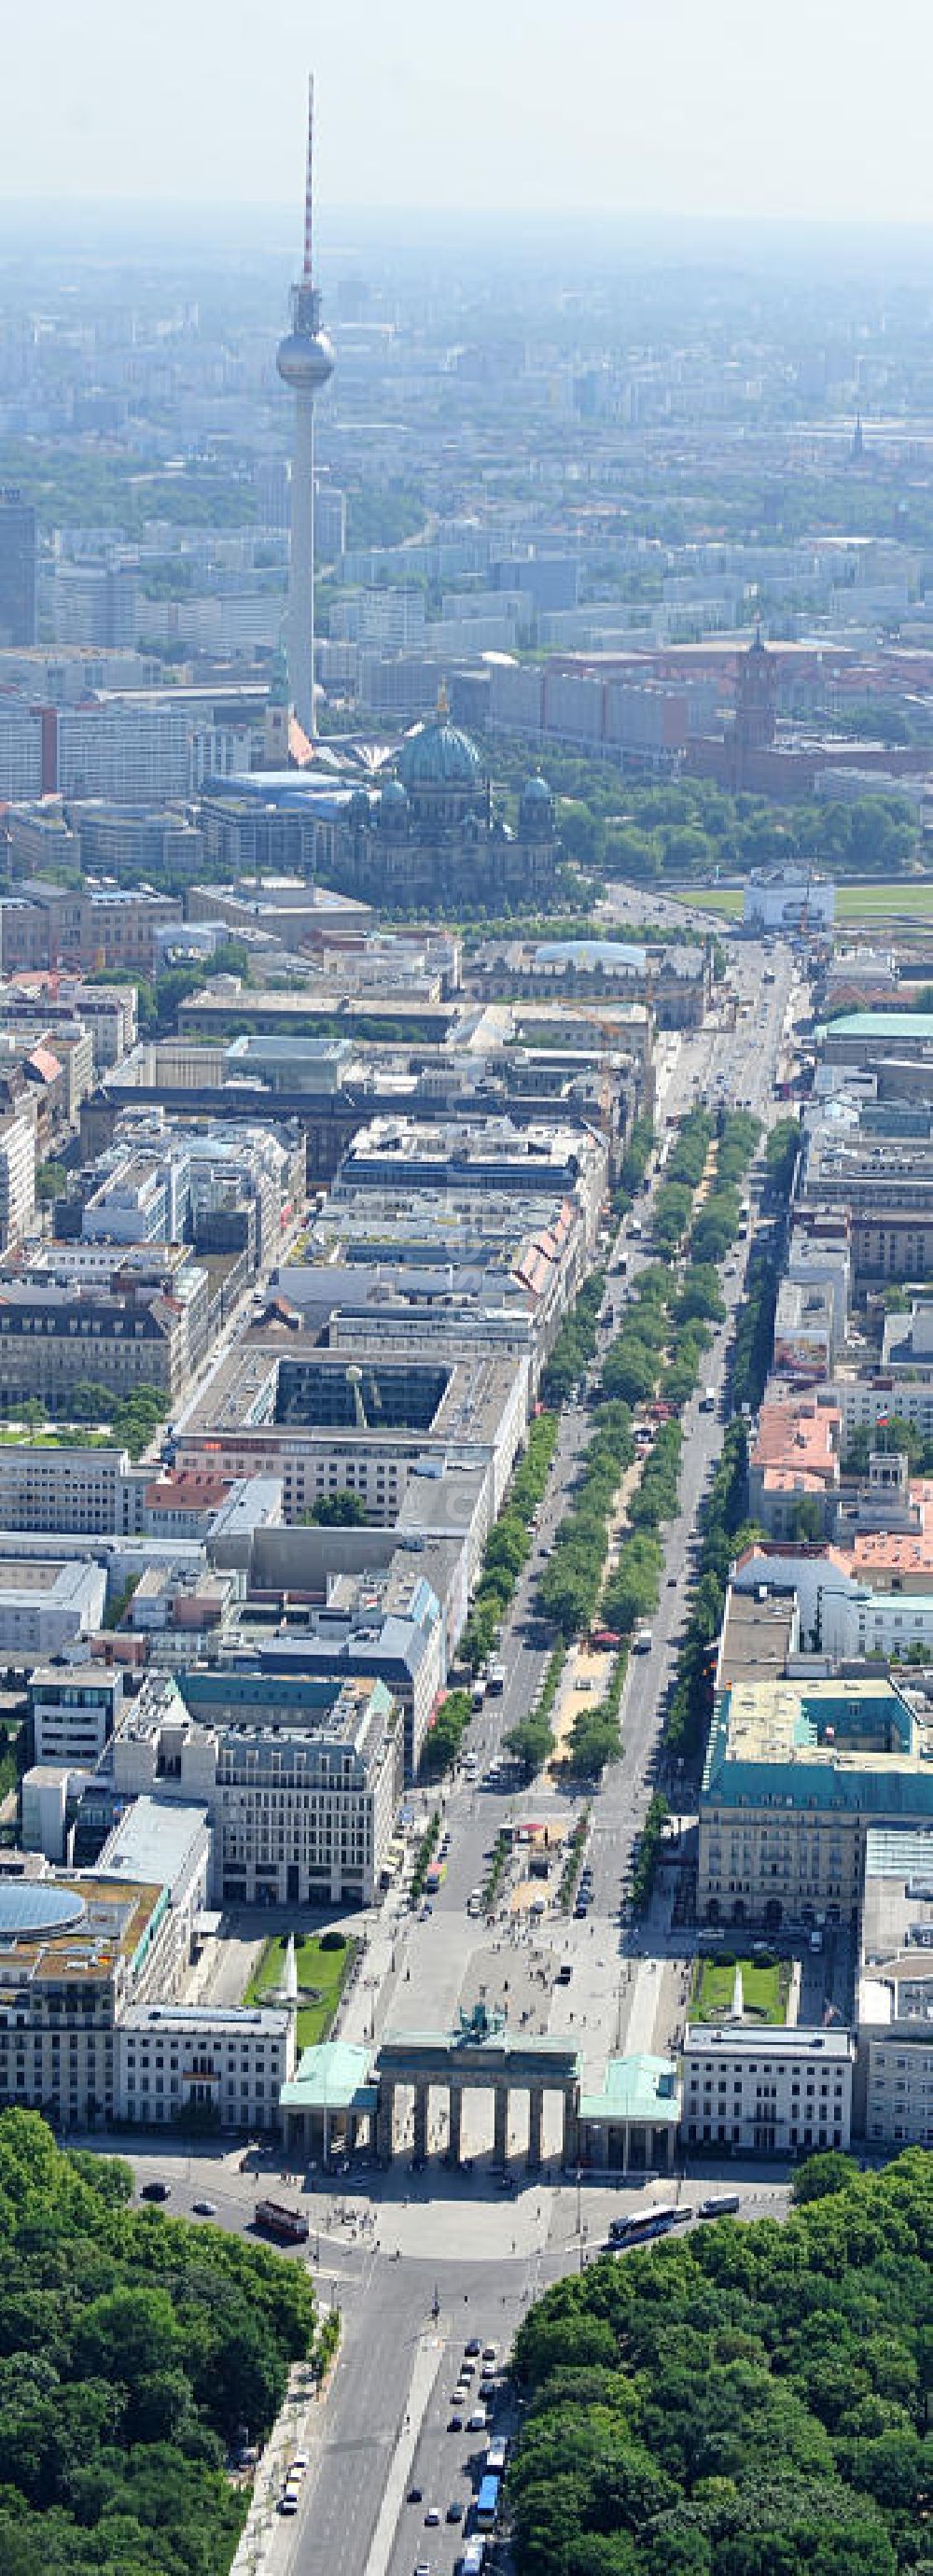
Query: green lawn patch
x=724 y=899
x=854 y=902
x=56 y=1439
x=765 y=1988
x=322 y=1975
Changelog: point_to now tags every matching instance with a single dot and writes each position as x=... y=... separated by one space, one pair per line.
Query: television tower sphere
x=305 y=360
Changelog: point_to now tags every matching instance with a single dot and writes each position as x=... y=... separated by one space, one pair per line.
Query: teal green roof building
x=881 y=1024
x=640 y=2088
x=334 y=2076
x=851 y=1745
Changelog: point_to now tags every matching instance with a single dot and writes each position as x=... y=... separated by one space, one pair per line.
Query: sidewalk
x=265 y=2542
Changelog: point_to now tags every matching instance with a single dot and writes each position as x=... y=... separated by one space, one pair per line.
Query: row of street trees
x=509 y=1543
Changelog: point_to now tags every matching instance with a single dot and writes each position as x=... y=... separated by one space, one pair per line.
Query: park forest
x=750 y=2400
x=134 y=2349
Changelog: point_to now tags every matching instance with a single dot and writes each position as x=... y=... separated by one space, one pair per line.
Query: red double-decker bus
x=274 y=2216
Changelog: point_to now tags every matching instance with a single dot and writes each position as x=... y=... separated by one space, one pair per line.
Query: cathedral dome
x=440 y=754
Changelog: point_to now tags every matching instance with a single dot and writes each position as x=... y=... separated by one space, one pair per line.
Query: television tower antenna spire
x=308 y=270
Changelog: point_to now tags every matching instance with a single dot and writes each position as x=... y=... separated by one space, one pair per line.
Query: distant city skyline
x=710 y=110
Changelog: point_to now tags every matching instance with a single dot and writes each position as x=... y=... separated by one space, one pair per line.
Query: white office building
x=128 y=754
x=17 y=1179
x=79 y=1490
x=47 y=1606
x=302 y=1798
x=766 y=2091
x=174 y=2059
x=74 y=1709
x=788 y=899
x=21 y=771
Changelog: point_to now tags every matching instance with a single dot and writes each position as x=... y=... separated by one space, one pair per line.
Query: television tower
x=305 y=360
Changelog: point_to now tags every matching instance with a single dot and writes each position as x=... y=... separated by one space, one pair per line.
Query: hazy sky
x=812 y=108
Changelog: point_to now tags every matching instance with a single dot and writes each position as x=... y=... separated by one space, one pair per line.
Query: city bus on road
x=487 y=2504
x=276 y=2219
x=647 y=2224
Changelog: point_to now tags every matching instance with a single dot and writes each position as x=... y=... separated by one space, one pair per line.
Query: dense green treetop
x=745 y=2401
x=132 y=2348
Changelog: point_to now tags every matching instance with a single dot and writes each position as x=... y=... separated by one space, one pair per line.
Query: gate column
x=422 y=2092
x=500 y=2143
x=535 y=2126
x=385 y=2120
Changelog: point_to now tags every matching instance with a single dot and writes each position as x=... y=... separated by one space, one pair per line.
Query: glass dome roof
x=29 y=1907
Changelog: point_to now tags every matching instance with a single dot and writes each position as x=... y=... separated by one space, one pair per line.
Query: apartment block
x=95 y=604
x=17 y=569
x=54 y=1337
x=131 y=754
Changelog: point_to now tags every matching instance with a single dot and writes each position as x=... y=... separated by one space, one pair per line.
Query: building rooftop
x=905 y=1553
x=620 y=957
x=60 y=1582
x=759 y=1633
x=798 y=1437
x=267 y=1392
x=486 y=1144
x=332 y=2077
x=440 y=754
x=738 y=2040
x=109 y=1924
x=852 y=1744
x=636 y=2088
x=155 y=1840
x=914 y=1026
x=897 y=1923
x=270 y=2020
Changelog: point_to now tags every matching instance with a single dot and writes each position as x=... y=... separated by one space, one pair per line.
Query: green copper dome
x=439 y=754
